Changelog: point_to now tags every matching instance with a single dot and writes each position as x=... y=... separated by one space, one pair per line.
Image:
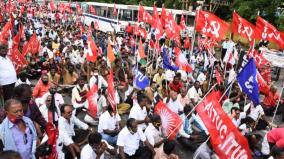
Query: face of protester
x=176 y=80
x=183 y=92
x=133 y=127
x=81 y=83
x=173 y=95
x=52 y=72
x=44 y=79
x=3 y=51
x=67 y=112
x=236 y=114
x=197 y=85
x=48 y=101
x=143 y=102
x=160 y=71
x=26 y=96
x=15 y=112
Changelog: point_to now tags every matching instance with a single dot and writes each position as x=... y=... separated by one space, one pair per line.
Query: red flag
x=141 y=11
x=110 y=53
x=92 y=50
x=141 y=50
x=18 y=60
x=262 y=84
x=219 y=78
x=97 y=27
x=158 y=29
x=181 y=60
x=244 y=28
x=226 y=139
x=5 y=32
x=52 y=133
x=182 y=23
x=79 y=10
x=17 y=38
x=171 y=27
x=155 y=13
x=140 y=31
x=170 y=120
x=211 y=25
x=164 y=16
x=92 y=98
x=187 y=43
x=32 y=46
x=52 y=6
x=111 y=91
x=92 y=9
x=269 y=32
x=114 y=10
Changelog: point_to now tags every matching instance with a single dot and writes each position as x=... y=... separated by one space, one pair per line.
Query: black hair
x=276 y=151
x=62 y=108
x=169 y=147
x=94 y=138
x=9 y=154
x=18 y=91
x=235 y=109
x=9 y=102
x=186 y=109
x=155 y=118
x=129 y=122
x=140 y=98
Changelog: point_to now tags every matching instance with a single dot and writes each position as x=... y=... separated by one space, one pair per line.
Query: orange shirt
x=40 y=89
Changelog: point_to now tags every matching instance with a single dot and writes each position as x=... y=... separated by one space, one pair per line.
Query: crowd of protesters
x=44 y=107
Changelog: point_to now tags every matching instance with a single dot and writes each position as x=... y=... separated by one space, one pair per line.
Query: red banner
x=18 y=60
x=226 y=139
x=269 y=32
x=211 y=25
x=244 y=28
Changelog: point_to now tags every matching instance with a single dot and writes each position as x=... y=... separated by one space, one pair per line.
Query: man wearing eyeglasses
x=17 y=131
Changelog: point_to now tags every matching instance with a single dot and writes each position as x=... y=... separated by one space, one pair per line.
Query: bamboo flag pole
x=277 y=104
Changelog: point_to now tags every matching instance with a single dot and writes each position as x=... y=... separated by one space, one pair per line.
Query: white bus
x=125 y=14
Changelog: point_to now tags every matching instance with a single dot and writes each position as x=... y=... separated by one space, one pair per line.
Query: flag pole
x=277 y=104
x=254 y=38
x=193 y=109
x=211 y=74
x=194 y=33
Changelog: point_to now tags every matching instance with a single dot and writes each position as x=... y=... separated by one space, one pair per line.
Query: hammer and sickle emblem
x=215 y=27
x=248 y=32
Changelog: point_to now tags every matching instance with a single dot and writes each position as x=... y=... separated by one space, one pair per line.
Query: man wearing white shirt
x=153 y=131
x=173 y=103
x=129 y=142
x=97 y=79
x=139 y=112
x=195 y=93
x=202 y=77
x=109 y=125
x=8 y=75
x=96 y=148
x=66 y=124
x=224 y=48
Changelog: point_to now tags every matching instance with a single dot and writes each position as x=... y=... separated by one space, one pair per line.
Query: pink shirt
x=276 y=136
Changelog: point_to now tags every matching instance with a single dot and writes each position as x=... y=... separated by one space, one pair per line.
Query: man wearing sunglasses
x=17 y=131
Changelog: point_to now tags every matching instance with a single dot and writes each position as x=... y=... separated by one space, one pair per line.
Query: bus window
x=178 y=18
x=110 y=13
x=135 y=16
x=103 y=11
x=126 y=15
x=190 y=20
x=98 y=10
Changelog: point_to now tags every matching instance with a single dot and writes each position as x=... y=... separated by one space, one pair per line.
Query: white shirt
x=19 y=82
x=153 y=135
x=88 y=152
x=107 y=122
x=129 y=141
x=58 y=99
x=193 y=94
x=255 y=112
x=201 y=78
x=44 y=112
x=138 y=113
x=68 y=128
x=102 y=82
x=8 y=73
x=174 y=106
x=169 y=75
x=237 y=122
x=102 y=102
